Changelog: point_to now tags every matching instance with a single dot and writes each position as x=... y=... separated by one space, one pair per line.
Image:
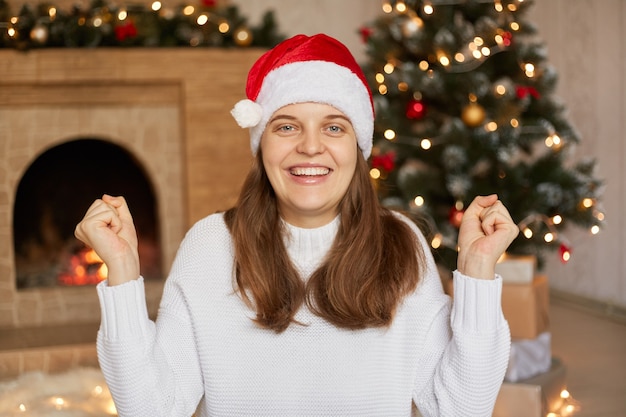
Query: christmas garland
x=208 y=24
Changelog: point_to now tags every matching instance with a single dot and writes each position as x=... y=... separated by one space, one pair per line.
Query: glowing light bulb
x=529 y=70
x=425 y=144
x=565 y=394
x=423 y=65
x=387 y=8
x=156 y=6
x=419 y=201
x=188 y=10
x=428 y=9
x=224 y=27
x=401 y=7
x=553 y=141
x=587 y=202
x=557 y=219
x=375 y=173
x=382 y=89
x=436 y=242
x=548 y=237
x=202 y=19
x=501 y=89
x=595 y=229
x=389 y=67
x=389 y=134
x=122 y=15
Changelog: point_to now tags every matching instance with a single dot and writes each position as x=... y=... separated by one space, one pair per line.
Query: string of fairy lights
x=208 y=23
x=469 y=57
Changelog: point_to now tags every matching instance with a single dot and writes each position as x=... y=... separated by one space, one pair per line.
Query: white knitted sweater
x=205 y=353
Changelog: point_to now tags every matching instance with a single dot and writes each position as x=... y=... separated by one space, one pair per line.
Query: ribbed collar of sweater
x=308 y=247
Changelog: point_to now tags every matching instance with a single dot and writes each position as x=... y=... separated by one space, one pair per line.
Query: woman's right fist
x=108 y=228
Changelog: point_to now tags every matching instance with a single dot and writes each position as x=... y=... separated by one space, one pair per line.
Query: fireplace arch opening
x=52 y=197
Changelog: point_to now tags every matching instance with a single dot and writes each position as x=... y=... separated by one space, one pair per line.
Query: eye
x=284 y=128
x=335 y=129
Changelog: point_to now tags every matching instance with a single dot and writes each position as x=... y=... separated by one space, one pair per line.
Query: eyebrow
x=327 y=117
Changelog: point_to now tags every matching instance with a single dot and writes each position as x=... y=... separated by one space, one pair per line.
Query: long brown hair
x=373 y=263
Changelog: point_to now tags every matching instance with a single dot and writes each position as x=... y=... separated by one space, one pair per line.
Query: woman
x=307 y=298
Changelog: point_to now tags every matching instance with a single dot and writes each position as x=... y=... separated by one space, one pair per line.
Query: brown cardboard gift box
x=525 y=306
x=533 y=397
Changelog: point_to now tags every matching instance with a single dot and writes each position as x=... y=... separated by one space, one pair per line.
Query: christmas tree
x=465 y=105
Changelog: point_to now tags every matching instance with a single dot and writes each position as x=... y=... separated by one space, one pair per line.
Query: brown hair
x=373 y=263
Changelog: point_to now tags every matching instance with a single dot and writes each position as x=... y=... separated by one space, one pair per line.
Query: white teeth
x=310 y=171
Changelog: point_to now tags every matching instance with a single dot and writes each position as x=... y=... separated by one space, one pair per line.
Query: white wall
x=585 y=41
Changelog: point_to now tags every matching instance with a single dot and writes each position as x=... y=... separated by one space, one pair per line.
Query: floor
x=593 y=349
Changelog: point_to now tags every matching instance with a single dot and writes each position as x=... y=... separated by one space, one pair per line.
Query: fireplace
x=162 y=115
x=54 y=194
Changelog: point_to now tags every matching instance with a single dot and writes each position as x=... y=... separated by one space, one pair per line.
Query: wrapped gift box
x=525 y=306
x=529 y=357
x=533 y=397
x=517 y=269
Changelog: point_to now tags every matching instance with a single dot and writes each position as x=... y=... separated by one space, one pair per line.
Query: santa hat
x=301 y=69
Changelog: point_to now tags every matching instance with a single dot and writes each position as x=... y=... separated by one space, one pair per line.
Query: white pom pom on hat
x=302 y=69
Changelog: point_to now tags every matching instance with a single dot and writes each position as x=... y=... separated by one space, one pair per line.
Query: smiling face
x=309 y=153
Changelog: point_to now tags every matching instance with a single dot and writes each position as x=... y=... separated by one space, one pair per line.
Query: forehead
x=309 y=109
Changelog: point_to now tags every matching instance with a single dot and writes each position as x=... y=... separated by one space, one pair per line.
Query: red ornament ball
x=455 y=216
x=415 y=110
x=565 y=253
x=385 y=162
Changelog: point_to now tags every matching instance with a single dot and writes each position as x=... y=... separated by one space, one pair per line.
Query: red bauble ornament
x=415 y=110
x=507 y=38
x=524 y=91
x=125 y=31
x=386 y=161
x=365 y=33
x=455 y=216
x=565 y=252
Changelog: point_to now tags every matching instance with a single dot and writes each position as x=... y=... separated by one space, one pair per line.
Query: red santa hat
x=301 y=69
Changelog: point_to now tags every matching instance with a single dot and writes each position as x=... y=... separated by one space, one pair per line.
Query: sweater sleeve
x=151 y=368
x=466 y=352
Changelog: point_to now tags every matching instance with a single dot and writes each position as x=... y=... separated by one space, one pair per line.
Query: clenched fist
x=108 y=228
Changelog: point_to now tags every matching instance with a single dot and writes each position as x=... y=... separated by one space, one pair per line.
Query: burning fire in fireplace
x=84 y=268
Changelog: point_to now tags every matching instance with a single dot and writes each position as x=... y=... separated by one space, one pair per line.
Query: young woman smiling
x=308 y=297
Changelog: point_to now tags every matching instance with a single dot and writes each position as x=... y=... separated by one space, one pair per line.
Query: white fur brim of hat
x=309 y=81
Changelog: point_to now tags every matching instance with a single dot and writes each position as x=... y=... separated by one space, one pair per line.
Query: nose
x=311 y=143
